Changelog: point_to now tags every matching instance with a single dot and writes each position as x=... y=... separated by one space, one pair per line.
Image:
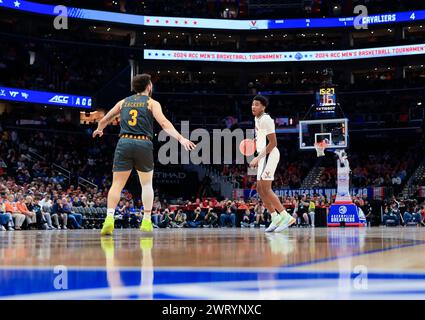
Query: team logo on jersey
x=266 y=175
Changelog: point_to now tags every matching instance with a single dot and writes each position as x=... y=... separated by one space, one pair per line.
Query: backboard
x=312 y=131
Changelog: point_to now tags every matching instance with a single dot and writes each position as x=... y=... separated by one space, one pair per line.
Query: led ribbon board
x=42 y=97
x=225 y=24
x=335 y=55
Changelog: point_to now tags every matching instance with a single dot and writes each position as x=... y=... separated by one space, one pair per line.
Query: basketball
x=247 y=147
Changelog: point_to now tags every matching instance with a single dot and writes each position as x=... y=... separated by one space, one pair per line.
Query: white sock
x=273 y=214
x=110 y=212
x=147 y=216
x=284 y=213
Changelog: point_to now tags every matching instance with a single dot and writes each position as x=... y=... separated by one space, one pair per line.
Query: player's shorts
x=267 y=165
x=132 y=153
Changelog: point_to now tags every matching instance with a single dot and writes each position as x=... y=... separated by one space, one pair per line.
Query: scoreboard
x=326 y=102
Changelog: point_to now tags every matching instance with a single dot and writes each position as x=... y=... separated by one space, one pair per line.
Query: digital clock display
x=326 y=97
x=326 y=102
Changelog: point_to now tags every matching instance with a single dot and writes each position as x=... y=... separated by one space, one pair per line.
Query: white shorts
x=267 y=165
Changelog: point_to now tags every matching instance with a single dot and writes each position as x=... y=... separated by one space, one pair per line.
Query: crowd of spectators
x=32 y=197
x=52 y=67
x=403 y=213
x=382 y=166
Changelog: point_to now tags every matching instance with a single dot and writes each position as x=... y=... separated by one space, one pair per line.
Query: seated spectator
x=57 y=213
x=126 y=215
x=411 y=217
x=30 y=216
x=247 y=218
x=156 y=217
x=6 y=220
x=392 y=215
x=198 y=219
x=179 y=220
x=33 y=206
x=120 y=210
x=10 y=207
x=211 y=219
x=228 y=216
x=368 y=212
x=75 y=218
x=135 y=215
x=259 y=211
x=166 y=219
x=46 y=207
x=300 y=211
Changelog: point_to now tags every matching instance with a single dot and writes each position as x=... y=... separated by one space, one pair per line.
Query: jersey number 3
x=133 y=120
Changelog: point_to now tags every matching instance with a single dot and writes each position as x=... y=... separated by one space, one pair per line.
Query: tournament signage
x=225 y=24
x=372 y=193
x=42 y=97
x=334 y=55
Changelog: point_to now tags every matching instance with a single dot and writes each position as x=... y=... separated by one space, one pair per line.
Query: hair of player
x=263 y=100
x=140 y=82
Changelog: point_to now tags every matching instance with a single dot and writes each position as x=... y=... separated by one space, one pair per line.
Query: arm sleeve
x=269 y=126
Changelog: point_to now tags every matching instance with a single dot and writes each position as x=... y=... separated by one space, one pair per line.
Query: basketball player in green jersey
x=135 y=147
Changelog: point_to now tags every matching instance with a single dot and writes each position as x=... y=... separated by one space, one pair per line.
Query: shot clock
x=326 y=102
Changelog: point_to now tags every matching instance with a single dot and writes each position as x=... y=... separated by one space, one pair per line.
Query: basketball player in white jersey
x=266 y=162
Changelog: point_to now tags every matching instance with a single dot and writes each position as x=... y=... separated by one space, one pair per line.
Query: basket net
x=320 y=148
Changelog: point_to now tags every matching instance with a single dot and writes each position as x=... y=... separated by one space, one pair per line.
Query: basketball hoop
x=320 y=148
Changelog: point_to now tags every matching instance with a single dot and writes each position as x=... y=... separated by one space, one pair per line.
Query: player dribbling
x=266 y=163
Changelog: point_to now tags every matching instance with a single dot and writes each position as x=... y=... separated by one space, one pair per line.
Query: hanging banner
x=294 y=56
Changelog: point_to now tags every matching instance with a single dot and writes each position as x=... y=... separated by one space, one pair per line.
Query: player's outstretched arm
x=107 y=119
x=168 y=126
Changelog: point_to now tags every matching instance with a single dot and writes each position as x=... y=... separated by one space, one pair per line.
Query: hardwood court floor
x=321 y=263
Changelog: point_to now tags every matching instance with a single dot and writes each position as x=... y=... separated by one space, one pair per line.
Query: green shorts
x=132 y=153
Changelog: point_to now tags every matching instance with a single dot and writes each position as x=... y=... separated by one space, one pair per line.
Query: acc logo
x=60 y=99
x=298 y=56
x=342 y=209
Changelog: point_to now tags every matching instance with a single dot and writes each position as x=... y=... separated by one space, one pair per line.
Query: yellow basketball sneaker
x=146 y=226
x=108 y=226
